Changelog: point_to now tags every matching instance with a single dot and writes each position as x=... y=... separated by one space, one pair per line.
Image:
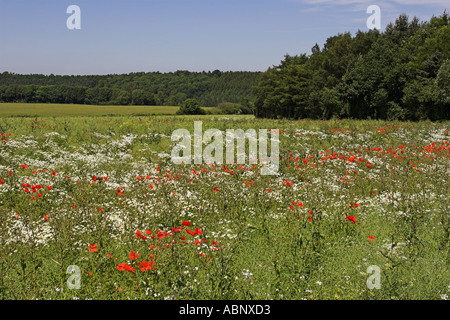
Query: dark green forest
x=210 y=89
x=402 y=73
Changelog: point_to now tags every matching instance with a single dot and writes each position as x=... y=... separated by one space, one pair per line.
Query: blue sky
x=122 y=36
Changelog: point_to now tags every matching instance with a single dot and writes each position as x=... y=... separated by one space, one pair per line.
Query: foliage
x=401 y=73
x=153 y=88
x=235 y=108
x=190 y=106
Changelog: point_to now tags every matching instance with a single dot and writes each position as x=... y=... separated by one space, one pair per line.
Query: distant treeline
x=402 y=73
x=154 y=88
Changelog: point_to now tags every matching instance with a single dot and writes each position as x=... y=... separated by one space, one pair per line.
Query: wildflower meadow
x=94 y=208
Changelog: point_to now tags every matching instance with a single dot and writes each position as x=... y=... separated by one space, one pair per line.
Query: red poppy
x=46 y=217
x=371 y=238
x=123 y=266
x=24 y=166
x=49 y=188
x=139 y=235
x=186 y=223
x=351 y=218
x=93 y=247
x=145 y=266
x=133 y=255
x=176 y=230
x=160 y=234
x=100 y=209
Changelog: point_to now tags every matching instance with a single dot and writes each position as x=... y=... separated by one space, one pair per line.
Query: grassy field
x=100 y=198
x=60 y=110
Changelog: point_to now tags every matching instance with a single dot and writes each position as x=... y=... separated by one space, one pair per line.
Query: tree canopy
x=401 y=73
x=190 y=106
x=152 y=88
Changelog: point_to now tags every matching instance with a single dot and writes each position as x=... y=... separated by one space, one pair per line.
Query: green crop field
x=59 y=110
x=94 y=208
